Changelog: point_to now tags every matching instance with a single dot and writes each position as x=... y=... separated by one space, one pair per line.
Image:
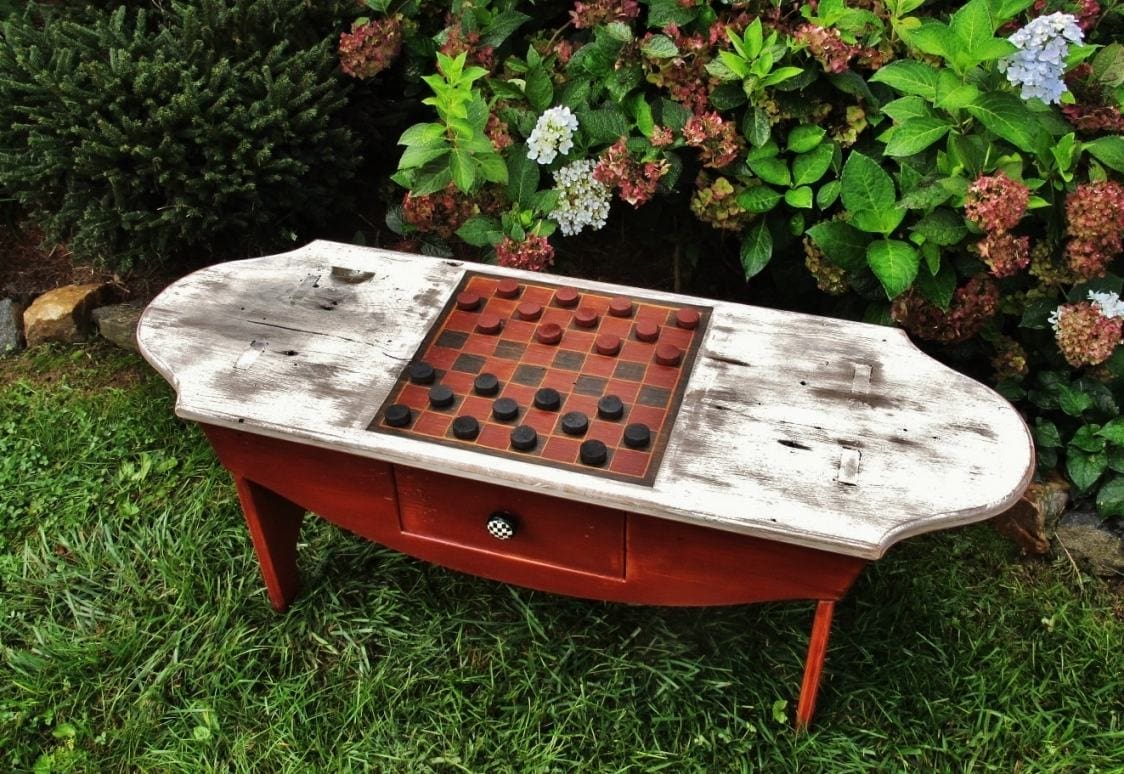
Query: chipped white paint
x=860 y=383
x=849 y=466
x=774 y=437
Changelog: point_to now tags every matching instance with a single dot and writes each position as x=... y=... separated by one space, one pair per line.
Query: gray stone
x=118 y=324
x=1089 y=538
x=62 y=314
x=11 y=327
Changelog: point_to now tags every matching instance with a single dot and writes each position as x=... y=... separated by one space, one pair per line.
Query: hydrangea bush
x=951 y=168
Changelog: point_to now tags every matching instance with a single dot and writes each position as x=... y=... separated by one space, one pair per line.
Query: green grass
x=135 y=635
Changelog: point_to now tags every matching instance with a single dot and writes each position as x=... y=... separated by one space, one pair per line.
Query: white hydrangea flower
x=553 y=134
x=1108 y=302
x=1055 y=318
x=1039 y=65
x=582 y=200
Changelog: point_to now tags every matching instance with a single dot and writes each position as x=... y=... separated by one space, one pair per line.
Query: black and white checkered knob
x=501 y=525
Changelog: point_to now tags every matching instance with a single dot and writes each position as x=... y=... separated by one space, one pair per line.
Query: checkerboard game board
x=550 y=374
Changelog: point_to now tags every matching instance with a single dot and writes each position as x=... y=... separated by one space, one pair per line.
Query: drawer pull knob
x=501 y=525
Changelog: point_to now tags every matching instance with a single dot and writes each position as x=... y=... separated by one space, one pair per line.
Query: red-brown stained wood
x=813 y=665
x=559 y=546
x=275 y=524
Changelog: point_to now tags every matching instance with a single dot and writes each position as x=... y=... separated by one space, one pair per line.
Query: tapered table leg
x=813 y=666
x=274 y=523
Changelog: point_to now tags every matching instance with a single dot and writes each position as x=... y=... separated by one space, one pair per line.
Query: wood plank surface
x=806 y=430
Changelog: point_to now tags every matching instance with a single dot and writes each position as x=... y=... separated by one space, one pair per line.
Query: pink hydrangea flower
x=716 y=139
x=593 y=13
x=634 y=181
x=996 y=203
x=533 y=254
x=1085 y=334
x=1005 y=254
x=370 y=48
x=1095 y=221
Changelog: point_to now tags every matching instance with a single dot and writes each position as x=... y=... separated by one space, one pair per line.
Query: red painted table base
x=559 y=546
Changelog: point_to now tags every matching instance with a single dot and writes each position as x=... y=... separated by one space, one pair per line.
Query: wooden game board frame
x=655 y=452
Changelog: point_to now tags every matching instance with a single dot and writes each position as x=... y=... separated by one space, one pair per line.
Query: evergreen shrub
x=143 y=135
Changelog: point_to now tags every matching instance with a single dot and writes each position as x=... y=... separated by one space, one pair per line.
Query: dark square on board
x=570 y=361
x=469 y=364
x=590 y=385
x=452 y=339
x=528 y=375
x=653 y=396
x=510 y=350
x=632 y=372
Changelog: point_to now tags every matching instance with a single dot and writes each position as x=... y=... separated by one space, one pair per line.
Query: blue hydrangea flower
x=1039 y=65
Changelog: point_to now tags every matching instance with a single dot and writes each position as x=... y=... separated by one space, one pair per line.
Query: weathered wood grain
x=807 y=430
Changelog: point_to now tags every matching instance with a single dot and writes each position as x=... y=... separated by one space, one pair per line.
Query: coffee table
x=573 y=436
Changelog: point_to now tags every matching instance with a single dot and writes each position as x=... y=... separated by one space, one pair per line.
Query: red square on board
x=561 y=450
x=652 y=417
x=539 y=354
x=662 y=376
x=626 y=391
x=609 y=433
x=617 y=326
x=460 y=320
x=563 y=381
x=442 y=358
x=542 y=421
x=599 y=365
x=501 y=369
x=519 y=330
x=429 y=423
x=586 y=404
x=414 y=396
x=677 y=336
x=460 y=383
x=553 y=314
x=629 y=463
x=578 y=339
x=524 y=396
x=476 y=406
x=597 y=303
x=480 y=344
x=495 y=436
x=639 y=351
x=503 y=307
x=537 y=293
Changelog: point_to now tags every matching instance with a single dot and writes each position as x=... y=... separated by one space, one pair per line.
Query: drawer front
x=545 y=530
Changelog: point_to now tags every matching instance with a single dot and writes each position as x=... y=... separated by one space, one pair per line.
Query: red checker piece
x=529 y=310
x=507 y=288
x=647 y=330
x=607 y=344
x=668 y=354
x=549 y=333
x=468 y=300
x=687 y=318
x=585 y=318
x=489 y=323
x=567 y=297
x=620 y=306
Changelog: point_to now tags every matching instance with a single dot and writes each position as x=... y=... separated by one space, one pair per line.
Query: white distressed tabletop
x=836 y=435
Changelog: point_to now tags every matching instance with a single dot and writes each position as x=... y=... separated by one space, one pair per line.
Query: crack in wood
x=793 y=444
x=313 y=333
x=726 y=360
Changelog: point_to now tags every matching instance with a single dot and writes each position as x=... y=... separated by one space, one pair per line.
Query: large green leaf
x=522 y=176
x=805 y=137
x=464 y=171
x=480 y=231
x=757 y=249
x=843 y=244
x=1008 y=117
x=939 y=288
x=1110 y=498
x=756 y=127
x=800 y=198
x=878 y=221
x=539 y=89
x=942 y=226
x=904 y=108
x=811 y=166
x=915 y=135
x=865 y=185
x=972 y=25
x=1109 y=150
x=1113 y=431
x=659 y=47
x=909 y=77
x=772 y=170
x=894 y=263
x=1084 y=469
x=759 y=198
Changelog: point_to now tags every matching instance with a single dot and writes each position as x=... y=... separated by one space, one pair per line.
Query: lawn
x=135 y=634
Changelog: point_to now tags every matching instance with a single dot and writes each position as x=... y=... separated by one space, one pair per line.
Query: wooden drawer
x=548 y=530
